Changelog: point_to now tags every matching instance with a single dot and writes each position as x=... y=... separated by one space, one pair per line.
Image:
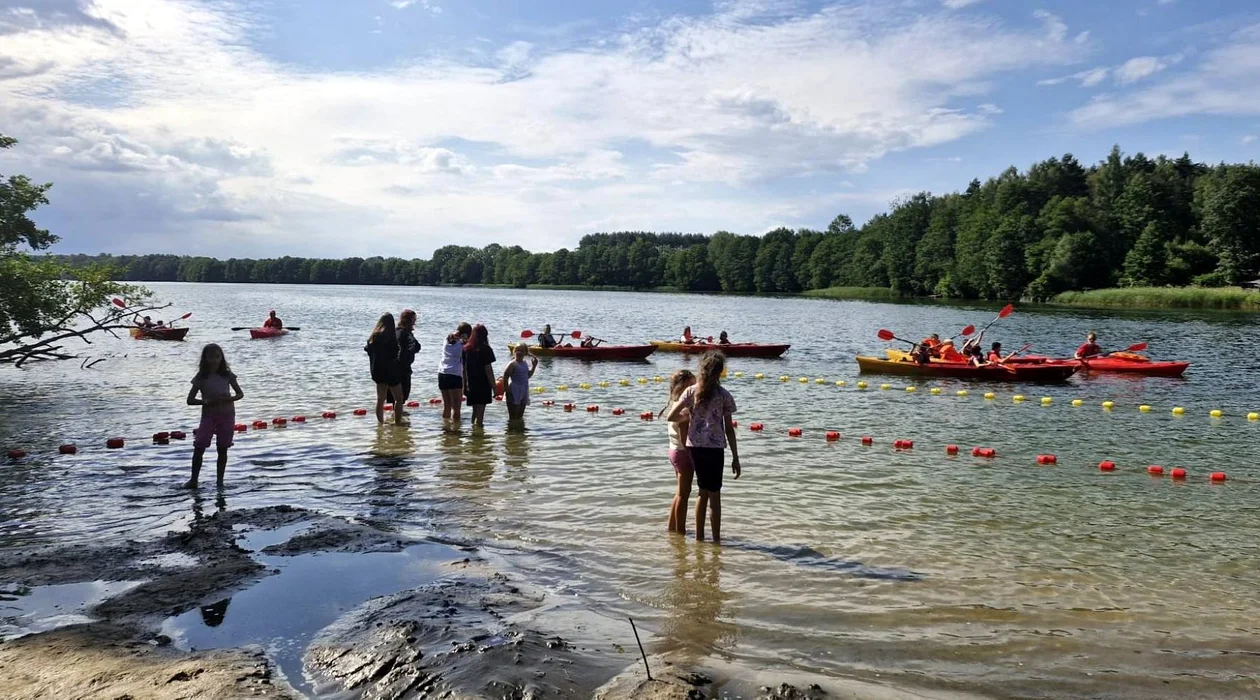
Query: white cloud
x=1249 y=138
x=1226 y=82
x=1082 y=38
x=959 y=4
x=1056 y=28
x=673 y=125
x=1136 y=69
x=424 y=4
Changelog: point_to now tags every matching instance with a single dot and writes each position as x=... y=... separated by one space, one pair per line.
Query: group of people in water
x=699 y=411
x=933 y=348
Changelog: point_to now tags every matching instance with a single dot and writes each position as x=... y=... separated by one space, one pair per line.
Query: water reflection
x=212 y=615
x=694 y=599
x=468 y=459
x=392 y=441
x=516 y=454
x=199 y=500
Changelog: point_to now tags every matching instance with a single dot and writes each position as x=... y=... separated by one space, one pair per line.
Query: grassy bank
x=1230 y=298
x=876 y=293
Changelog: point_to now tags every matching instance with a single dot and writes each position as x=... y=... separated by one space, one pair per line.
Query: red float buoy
x=17 y=454
x=161 y=437
x=1047 y=459
x=279 y=421
x=794 y=432
x=434 y=402
x=1216 y=476
x=115 y=443
x=360 y=411
x=299 y=419
x=178 y=435
x=987 y=452
x=259 y=425
x=903 y=444
x=757 y=427
x=389 y=407
x=618 y=411
x=1155 y=470
x=592 y=409
x=568 y=407
x=734 y=424
x=240 y=427
x=646 y=415
x=329 y=414
x=832 y=436
x=413 y=404
x=951 y=449
x=1178 y=473
x=67 y=449
x=1107 y=466
x=868 y=440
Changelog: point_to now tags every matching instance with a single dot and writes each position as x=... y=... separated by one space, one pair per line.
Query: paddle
x=181 y=318
x=572 y=334
x=968 y=330
x=888 y=335
x=119 y=303
x=1006 y=311
x=1004 y=359
x=1136 y=347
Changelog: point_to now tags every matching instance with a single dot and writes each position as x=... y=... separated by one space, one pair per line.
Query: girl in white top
x=451 y=372
x=679 y=456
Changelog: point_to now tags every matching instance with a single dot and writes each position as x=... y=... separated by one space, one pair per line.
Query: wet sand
x=467 y=631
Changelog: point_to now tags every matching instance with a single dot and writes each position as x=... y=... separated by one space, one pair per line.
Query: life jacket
x=949 y=354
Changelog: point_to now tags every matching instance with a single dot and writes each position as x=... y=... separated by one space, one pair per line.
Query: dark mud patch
x=338 y=536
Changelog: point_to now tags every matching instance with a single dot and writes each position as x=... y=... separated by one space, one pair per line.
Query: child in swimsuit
x=516 y=382
x=679 y=456
x=219 y=394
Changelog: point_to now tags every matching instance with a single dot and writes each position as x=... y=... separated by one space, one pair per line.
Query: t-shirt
x=1088 y=350
x=477 y=359
x=994 y=356
x=216 y=386
x=677 y=440
x=949 y=354
x=452 y=359
x=708 y=419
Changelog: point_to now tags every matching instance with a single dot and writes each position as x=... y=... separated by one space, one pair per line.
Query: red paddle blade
x=576 y=334
x=527 y=334
x=968 y=331
x=886 y=334
x=181 y=318
x=1136 y=348
x=119 y=303
x=1006 y=311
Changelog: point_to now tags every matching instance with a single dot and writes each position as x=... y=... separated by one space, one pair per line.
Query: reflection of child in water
x=212 y=615
x=694 y=599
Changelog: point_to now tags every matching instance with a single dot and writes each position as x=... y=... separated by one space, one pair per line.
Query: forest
x=1059 y=226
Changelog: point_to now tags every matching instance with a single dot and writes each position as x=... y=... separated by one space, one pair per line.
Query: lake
x=911 y=566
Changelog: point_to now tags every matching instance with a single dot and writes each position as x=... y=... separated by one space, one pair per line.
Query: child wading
x=219 y=394
x=709 y=429
x=679 y=457
x=516 y=382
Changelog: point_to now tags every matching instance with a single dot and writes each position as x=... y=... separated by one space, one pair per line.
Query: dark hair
x=478 y=339
x=996 y=346
x=464 y=327
x=407 y=319
x=676 y=385
x=203 y=370
x=385 y=325
x=711 y=365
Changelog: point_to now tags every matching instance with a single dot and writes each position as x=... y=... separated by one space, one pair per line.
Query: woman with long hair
x=382 y=349
x=408 y=346
x=708 y=408
x=478 y=373
x=451 y=372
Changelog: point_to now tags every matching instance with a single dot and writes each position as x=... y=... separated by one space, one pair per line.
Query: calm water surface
x=992 y=575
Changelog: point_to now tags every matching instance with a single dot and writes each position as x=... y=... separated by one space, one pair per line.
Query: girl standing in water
x=516 y=378
x=451 y=372
x=709 y=408
x=382 y=349
x=679 y=457
x=478 y=373
x=219 y=394
x=408 y=346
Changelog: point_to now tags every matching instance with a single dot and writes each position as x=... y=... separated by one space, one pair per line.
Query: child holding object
x=710 y=429
x=219 y=393
x=516 y=378
x=679 y=456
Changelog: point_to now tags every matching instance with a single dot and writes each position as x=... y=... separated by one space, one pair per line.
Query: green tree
x=1229 y=202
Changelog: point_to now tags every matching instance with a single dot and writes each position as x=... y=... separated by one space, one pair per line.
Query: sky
x=337 y=128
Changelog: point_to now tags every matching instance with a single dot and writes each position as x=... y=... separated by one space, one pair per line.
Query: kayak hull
x=159 y=333
x=599 y=352
x=731 y=350
x=258 y=333
x=1046 y=373
x=1110 y=365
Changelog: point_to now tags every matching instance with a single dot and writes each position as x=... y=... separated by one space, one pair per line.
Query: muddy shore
x=470 y=632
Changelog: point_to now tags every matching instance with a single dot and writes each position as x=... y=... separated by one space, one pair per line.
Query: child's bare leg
x=198 y=454
x=702 y=505
x=399 y=415
x=221 y=465
x=678 y=511
x=380 y=402
x=715 y=510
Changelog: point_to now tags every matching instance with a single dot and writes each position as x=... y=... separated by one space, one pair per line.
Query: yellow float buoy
x=1108 y=405
x=1253 y=416
x=885 y=387
x=739 y=374
x=1217 y=413
x=759 y=375
x=861 y=385
x=1017 y=398
x=961 y=392
x=623 y=382
x=562 y=387
x=839 y=382
x=603 y=385
x=1178 y=411
x=643 y=380
x=1144 y=408
x=803 y=380
x=658 y=379
x=783 y=377
x=990 y=395
x=936 y=391
x=820 y=380
x=1077 y=402
x=1046 y=400
x=911 y=390
x=584 y=385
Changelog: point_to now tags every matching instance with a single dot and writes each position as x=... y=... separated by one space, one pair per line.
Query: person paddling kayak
x=932 y=342
x=546 y=339
x=947 y=352
x=273 y=321
x=1090 y=348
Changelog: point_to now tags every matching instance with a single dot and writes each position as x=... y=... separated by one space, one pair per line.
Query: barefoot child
x=709 y=430
x=679 y=457
x=219 y=394
x=516 y=378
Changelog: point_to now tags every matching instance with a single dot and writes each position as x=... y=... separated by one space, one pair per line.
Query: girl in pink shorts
x=679 y=455
x=219 y=393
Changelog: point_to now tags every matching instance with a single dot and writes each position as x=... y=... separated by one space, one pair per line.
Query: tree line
x=1059 y=226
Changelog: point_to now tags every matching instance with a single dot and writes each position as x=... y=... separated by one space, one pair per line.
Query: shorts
x=708 y=462
x=681 y=459
x=220 y=426
x=449 y=382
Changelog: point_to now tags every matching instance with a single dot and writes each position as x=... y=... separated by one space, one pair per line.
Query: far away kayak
x=267 y=332
x=164 y=333
x=1039 y=373
x=599 y=352
x=730 y=350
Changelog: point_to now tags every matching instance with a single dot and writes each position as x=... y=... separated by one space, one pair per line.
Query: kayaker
x=921 y=354
x=995 y=353
x=947 y=352
x=589 y=342
x=408 y=346
x=974 y=356
x=686 y=336
x=546 y=339
x=145 y=323
x=723 y=339
x=1090 y=348
x=932 y=342
x=382 y=350
x=274 y=321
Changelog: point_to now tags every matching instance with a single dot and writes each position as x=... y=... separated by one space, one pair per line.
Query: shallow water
x=991 y=575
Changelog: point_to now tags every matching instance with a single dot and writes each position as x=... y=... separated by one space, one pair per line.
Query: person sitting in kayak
x=546 y=339
x=589 y=342
x=974 y=356
x=932 y=342
x=947 y=352
x=145 y=323
x=723 y=339
x=686 y=336
x=160 y=324
x=273 y=321
x=1090 y=348
x=921 y=354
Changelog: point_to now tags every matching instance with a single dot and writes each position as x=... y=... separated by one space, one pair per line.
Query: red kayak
x=1128 y=364
x=267 y=332
x=1043 y=373
x=599 y=352
x=730 y=349
x=155 y=333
